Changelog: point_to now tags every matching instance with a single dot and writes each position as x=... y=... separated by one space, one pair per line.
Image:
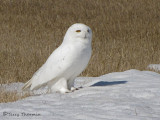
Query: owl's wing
x=55 y=67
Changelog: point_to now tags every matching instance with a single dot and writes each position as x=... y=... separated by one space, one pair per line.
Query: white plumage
x=66 y=62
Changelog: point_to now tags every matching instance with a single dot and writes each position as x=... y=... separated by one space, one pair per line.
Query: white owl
x=66 y=62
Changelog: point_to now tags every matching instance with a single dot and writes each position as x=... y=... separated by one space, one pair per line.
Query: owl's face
x=79 y=31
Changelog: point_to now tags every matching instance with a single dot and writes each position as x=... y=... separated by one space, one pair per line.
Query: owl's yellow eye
x=78 y=30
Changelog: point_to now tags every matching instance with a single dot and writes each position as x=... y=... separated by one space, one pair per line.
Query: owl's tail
x=27 y=84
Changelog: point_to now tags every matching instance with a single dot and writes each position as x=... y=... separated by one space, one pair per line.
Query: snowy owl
x=66 y=62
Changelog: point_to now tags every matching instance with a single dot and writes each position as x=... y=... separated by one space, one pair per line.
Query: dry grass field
x=126 y=35
x=11 y=96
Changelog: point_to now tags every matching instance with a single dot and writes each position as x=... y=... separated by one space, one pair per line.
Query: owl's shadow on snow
x=104 y=83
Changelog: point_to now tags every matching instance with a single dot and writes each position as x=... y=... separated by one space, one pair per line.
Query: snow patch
x=127 y=95
x=155 y=67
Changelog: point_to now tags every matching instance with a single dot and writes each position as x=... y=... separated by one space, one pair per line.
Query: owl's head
x=80 y=32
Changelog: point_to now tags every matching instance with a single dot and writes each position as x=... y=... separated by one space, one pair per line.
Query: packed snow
x=155 y=67
x=128 y=95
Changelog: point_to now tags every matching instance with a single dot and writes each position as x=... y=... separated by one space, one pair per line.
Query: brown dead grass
x=126 y=34
x=6 y=96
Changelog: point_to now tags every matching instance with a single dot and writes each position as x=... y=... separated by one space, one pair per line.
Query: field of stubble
x=126 y=35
